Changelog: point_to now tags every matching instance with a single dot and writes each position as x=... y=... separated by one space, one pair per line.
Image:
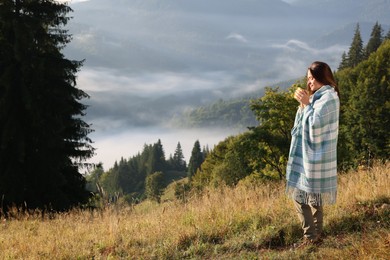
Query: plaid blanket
x=312 y=165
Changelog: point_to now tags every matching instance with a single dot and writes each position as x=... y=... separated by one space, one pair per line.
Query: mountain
x=358 y=10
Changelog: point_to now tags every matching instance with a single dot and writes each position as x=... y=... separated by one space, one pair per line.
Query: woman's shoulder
x=326 y=98
x=327 y=92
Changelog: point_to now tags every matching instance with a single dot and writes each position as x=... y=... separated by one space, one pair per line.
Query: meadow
x=249 y=221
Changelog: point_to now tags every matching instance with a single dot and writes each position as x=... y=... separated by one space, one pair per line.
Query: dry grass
x=228 y=223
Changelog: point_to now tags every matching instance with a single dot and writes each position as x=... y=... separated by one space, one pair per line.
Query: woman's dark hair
x=323 y=74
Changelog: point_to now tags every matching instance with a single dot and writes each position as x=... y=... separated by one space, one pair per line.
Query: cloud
x=152 y=84
x=289 y=1
x=294 y=45
x=71 y=1
x=236 y=36
x=295 y=56
x=120 y=101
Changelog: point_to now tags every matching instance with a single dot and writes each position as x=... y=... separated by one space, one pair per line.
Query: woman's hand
x=302 y=97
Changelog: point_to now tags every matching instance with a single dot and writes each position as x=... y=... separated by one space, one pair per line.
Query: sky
x=77 y=1
x=147 y=62
x=71 y=1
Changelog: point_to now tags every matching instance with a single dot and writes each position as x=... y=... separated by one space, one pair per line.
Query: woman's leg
x=307 y=220
x=318 y=216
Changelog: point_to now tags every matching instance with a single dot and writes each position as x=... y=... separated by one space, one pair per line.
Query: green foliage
x=230 y=113
x=196 y=160
x=263 y=150
x=43 y=139
x=375 y=40
x=127 y=178
x=157 y=158
x=344 y=61
x=204 y=176
x=182 y=190
x=276 y=112
x=228 y=162
x=108 y=181
x=366 y=112
x=93 y=178
x=177 y=162
x=154 y=187
x=233 y=166
x=387 y=37
x=356 y=52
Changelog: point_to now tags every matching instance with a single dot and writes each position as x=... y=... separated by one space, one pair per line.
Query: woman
x=312 y=164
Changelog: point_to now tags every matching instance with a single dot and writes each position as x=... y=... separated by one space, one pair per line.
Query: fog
x=128 y=112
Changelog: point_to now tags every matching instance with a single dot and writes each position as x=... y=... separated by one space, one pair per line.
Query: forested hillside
x=233 y=113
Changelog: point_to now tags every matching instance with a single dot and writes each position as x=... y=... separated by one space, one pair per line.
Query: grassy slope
x=240 y=223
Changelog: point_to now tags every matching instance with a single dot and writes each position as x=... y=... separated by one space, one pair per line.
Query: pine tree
x=387 y=37
x=124 y=179
x=178 y=159
x=157 y=158
x=375 y=40
x=43 y=139
x=205 y=151
x=196 y=159
x=344 y=62
x=145 y=166
x=356 y=53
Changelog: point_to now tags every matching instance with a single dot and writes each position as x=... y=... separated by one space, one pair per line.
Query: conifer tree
x=145 y=166
x=43 y=139
x=344 y=62
x=196 y=159
x=205 y=151
x=387 y=37
x=178 y=159
x=375 y=40
x=124 y=179
x=356 y=53
x=157 y=158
